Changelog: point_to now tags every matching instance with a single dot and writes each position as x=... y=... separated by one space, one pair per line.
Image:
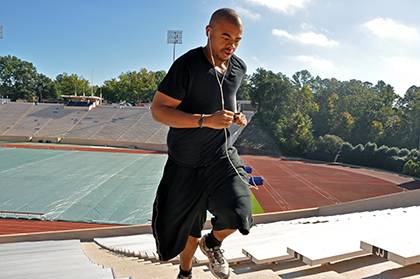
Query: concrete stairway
x=48 y=259
x=136 y=268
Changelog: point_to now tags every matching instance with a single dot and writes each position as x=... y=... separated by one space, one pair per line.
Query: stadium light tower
x=174 y=37
x=1 y=32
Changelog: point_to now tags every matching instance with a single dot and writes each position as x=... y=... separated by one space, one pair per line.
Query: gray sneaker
x=183 y=277
x=218 y=264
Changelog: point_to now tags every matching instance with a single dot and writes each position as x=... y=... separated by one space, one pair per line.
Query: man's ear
x=208 y=31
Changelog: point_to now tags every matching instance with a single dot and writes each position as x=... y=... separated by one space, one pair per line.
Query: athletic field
x=80 y=184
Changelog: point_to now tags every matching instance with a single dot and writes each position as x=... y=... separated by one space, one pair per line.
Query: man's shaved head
x=224 y=33
x=226 y=14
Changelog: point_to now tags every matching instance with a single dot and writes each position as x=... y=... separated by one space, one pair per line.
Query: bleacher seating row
x=106 y=123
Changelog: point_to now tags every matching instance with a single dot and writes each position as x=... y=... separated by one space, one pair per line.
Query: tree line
x=20 y=80
x=301 y=109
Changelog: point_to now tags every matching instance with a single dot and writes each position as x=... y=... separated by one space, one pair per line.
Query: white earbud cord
x=220 y=82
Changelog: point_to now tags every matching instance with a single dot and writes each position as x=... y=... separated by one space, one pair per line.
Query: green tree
x=294 y=133
x=327 y=100
x=262 y=88
x=45 y=89
x=385 y=93
x=302 y=100
x=244 y=89
x=285 y=107
x=328 y=147
x=410 y=106
x=17 y=78
x=272 y=95
x=71 y=84
x=303 y=78
x=133 y=87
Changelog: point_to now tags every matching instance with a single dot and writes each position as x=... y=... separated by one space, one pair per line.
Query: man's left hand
x=240 y=119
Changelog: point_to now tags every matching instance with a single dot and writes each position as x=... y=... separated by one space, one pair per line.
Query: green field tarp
x=79 y=186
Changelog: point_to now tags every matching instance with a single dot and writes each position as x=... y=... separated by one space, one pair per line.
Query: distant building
x=4 y=100
x=82 y=101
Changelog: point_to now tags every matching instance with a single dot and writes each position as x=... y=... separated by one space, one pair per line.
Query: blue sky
x=367 y=40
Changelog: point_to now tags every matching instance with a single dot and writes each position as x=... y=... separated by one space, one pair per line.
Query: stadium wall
x=81 y=141
x=11 y=138
x=125 y=144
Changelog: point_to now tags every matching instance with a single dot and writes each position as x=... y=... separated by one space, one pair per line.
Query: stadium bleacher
x=37 y=117
x=59 y=120
x=131 y=124
x=92 y=123
x=11 y=113
x=119 y=124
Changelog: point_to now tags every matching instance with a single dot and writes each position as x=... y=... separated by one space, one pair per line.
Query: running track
x=290 y=185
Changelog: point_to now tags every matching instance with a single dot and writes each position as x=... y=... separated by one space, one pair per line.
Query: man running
x=203 y=171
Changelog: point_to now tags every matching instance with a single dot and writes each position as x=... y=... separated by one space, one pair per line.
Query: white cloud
x=247 y=13
x=387 y=28
x=315 y=63
x=401 y=72
x=307 y=38
x=284 y=6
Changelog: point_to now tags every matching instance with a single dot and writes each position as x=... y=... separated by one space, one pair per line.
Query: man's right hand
x=219 y=120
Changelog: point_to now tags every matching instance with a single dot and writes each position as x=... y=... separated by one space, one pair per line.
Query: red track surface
x=292 y=185
x=14 y=226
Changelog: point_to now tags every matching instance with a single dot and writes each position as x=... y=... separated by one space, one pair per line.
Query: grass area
x=256 y=206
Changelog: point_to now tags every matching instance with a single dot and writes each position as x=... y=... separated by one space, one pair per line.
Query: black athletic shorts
x=185 y=194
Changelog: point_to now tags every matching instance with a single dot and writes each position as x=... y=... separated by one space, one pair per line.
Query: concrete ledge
x=113 y=143
x=14 y=138
x=45 y=139
x=80 y=141
x=82 y=234
x=394 y=200
x=285 y=215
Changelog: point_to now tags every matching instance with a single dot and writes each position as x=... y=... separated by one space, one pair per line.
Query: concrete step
x=129 y=266
x=261 y=274
x=142 y=269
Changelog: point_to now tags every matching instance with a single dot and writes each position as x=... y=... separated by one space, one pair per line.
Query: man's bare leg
x=221 y=235
x=188 y=253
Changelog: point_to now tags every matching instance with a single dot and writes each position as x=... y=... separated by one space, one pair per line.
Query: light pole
x=1 y=32
x=174 y=37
